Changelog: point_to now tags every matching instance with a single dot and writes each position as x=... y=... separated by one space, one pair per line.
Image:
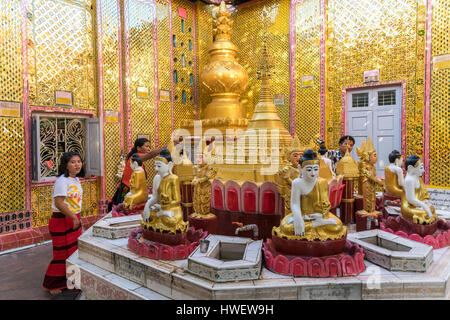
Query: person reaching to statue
x=142 y=148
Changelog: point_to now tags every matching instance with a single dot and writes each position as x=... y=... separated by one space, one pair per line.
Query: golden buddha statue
x=393 y=175
x=310 y=218
x=415 y=197
x=288 y=173
x=162 y=212
x=368 y=175
x=138 y=184
x=203 y=176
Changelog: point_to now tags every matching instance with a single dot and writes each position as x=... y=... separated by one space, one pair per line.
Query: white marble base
x=210 y=264
x=115 y=228
x=393 y=252
x=113 y=272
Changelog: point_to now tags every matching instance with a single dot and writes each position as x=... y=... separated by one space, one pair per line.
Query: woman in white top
x=64 y=225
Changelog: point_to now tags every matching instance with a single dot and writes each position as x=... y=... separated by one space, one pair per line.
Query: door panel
x=380 y=122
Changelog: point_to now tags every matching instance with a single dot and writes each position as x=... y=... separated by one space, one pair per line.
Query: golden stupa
x=255 y=151
x=224 y=79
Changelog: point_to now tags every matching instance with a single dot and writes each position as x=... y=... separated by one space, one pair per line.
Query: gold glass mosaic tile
x=251 y=22
x=12 y=165
x=61 y=52
x=110 y=54
x=368 y=34
x=307 y=63
x=11 y=79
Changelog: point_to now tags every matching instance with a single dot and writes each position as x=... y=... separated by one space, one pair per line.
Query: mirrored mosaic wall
x=110 y=15
x=388 y=35
x=440 y=97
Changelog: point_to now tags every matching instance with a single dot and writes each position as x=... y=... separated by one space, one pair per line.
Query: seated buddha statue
x=310 y=218
x=415 y=205
x=393 y=175
x=289 y=172
x=368 y=175
x=162 y=212
x=138 y=184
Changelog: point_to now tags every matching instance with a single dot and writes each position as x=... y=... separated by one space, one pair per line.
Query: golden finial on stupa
x=222 y=24
x=347 y=167
x=223 y=78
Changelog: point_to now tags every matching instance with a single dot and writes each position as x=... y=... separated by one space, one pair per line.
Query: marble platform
x=393 y=252
x=108 y=270
x=117 y=227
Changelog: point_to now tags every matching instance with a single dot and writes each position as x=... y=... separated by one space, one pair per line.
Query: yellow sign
x=142 y=92
x=63 y=98
x=307 y=81
x=441 y=62
x=10 y=109
x=111 y=116
x=164 y=95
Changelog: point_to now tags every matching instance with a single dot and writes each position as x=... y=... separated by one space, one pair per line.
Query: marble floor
x=22 y=273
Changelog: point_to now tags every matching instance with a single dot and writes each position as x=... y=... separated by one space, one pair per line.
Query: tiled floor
x=22 y=273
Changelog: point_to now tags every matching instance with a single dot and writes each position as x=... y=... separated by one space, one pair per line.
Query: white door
x=375 y=113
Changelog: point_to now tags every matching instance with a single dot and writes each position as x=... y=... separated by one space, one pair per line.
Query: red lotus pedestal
x=175 y=247
x=436 y=234
x=350 y=261
x=309 y=248
x=208 y=224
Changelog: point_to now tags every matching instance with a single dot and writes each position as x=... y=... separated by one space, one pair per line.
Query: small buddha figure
x=203 y=176
x=289 y=172
x=310 y=218
x=415 y=204
x=368 y=175
x=393 y=175
x=162 y=212
x=121 y=165
x=138 y=184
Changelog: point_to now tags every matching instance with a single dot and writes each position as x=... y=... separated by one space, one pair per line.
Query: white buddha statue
x=310 y=218
x=162 y=212
x=415 y=200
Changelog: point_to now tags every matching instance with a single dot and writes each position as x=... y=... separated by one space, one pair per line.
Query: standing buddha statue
x=368 y=175
x=203 y=176
x=288 y=173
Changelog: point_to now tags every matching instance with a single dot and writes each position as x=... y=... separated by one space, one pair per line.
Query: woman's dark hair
x=342 y=139
x=137 y=143
x=322 y=150
x=394 y=155
x=165 y=153
x=65 y=158
x=308 y=155
x=135 y=157
x=411 y=161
